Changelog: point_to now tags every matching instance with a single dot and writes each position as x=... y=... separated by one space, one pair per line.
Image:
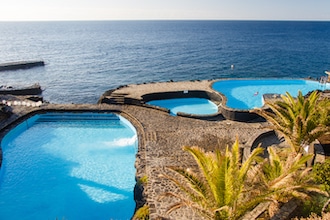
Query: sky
x=33 y=10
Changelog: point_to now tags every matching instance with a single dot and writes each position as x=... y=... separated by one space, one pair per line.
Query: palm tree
x=224 y=188
x=216 y=191
x=301 y=120
x=282 y=180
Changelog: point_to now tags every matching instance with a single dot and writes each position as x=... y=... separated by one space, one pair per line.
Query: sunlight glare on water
x=69 y=169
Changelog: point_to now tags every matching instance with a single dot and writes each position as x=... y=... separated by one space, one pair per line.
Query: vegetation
x=316 y=205
x=216 y=190
x=314 y=216
x=280 y=180
x=225 y=188
x=301 y=120
x=222 y=187
x=142 y=213
x=322 y=174
x=142 y=181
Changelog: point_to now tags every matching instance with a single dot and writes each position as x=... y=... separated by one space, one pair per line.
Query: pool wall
x=19 y=119
x=210 y=117
x=182 y=94
x=110 y=97
x=237 y=114
x=214 y=97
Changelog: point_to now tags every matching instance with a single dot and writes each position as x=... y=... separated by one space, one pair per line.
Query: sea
x=86 y=58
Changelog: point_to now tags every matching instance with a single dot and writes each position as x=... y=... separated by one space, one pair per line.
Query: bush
x=142 y=213
x=314 y=205
x=142 y=181
x=313 y=216
x=322 y=174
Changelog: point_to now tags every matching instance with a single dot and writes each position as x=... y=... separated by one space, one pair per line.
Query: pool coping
x=140 y=94
x=25 y=113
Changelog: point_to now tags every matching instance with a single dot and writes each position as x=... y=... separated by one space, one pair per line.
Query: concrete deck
x=137 y=91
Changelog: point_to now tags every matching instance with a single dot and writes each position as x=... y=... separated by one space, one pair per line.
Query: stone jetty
x=20 y=65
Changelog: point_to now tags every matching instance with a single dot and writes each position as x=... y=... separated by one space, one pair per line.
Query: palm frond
x=300 y=120
x=193 y=194
x=195 y=182
x=184 y=202
x=208 y=166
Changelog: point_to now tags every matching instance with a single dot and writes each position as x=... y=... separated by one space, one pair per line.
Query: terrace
x=160 y=135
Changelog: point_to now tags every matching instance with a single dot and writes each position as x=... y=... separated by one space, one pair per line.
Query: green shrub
x=142 y=181
x=314 y=216
x=142 y=213
x=313 y=205
x=322 y=174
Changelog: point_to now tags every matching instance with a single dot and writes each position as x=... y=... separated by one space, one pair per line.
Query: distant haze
x=23 y=10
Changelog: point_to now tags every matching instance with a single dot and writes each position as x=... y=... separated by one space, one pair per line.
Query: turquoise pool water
x=197 y=106
x=248 y=94
x=69 y=166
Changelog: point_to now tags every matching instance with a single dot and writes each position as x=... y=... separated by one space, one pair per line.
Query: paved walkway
x=164 y=137
x=137 y=91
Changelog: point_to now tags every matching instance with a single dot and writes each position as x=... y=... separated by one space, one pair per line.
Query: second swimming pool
x=247 y=94
x=196 y=106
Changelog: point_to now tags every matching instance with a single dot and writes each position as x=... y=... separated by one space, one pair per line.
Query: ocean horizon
x=86 y=58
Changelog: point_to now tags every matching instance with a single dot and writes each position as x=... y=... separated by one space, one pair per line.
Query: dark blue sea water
x=84 y=59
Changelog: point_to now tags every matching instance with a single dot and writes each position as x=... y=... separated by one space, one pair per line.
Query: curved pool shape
x=69 y=166
x=247 y=94
x=196 y=106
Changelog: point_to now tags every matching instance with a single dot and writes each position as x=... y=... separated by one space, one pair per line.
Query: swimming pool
x=196 y=106
x=247 y=94
x=69 y=166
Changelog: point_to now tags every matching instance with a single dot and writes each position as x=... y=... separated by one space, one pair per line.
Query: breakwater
x=21 y=65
